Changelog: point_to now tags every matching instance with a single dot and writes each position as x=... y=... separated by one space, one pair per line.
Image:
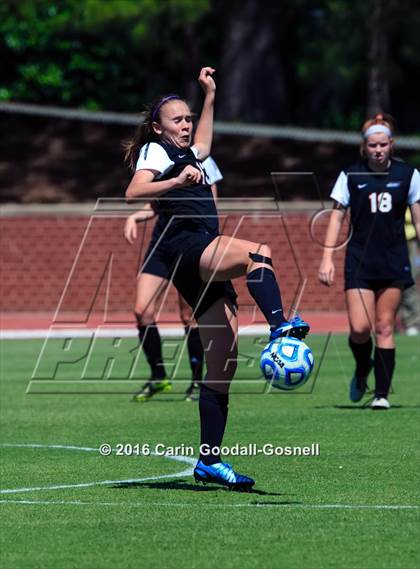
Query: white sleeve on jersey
x=340 y=192
x=414 y=191
x=154 y=157
x=214 y=175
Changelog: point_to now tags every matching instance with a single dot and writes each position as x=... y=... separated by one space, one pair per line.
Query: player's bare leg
x=195 y=349
x=226 y=258
x=387 y=303
x=219 y=332
x=150 y=289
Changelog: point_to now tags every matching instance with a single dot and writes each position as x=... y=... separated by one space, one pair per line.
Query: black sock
x=213 y=416
x=362 y=354
x=263 y=287
x=152 y=347
x=195 y=353
x=384 y=369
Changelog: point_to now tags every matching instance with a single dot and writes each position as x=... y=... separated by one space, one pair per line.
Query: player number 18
x=380 y=202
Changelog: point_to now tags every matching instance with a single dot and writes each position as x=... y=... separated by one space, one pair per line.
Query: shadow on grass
x=184 y=485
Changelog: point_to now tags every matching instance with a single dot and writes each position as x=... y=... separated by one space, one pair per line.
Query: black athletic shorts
x=373 y=284
x=155 y=262
x=375 y=274
x=180 y=257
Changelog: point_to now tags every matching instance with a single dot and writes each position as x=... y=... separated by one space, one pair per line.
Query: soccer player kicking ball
x=204 y=261
x=152 y=282
x=377 y=191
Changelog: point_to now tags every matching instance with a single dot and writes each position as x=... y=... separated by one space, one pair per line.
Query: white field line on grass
x=184 y=459
x=210 y=505
x=186 y=472
x=62 y=332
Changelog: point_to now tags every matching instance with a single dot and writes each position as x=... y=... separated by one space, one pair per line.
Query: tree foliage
x=308 y=62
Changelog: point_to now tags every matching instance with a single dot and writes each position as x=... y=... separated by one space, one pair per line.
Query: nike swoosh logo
x=275 y=311
x=361 y=186
x=181 y=155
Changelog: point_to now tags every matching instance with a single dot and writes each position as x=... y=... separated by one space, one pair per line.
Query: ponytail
x=143 y=134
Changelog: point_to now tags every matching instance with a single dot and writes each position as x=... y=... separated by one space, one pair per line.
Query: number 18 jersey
x=377 y=248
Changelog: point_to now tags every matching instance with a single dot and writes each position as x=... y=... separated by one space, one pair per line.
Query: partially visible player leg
x=227 y=258
x=195 y=349
x=218 y=330
x=361 y=314
x=387 y=303
x=149 y=291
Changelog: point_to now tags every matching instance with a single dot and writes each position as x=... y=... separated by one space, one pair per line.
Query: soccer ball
x=287 y=363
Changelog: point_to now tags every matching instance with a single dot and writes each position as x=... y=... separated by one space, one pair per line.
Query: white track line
x=210 y=505
x=184 y=459
x=129 y=332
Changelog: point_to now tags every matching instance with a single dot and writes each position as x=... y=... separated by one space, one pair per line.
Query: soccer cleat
x=412 y=331
x=222 y=473
x=380 y=404
x=150 y=388
x=193 y=392
x=358 y=386
x=297 y=328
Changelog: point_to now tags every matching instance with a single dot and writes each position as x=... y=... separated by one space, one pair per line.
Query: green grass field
x=354 y=506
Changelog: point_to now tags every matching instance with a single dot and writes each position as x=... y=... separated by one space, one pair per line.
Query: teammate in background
x=148 y=301
x=377 y=190
x=203 y=261
x=410 y=302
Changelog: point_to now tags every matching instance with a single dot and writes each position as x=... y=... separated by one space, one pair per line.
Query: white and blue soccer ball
x=287 y=363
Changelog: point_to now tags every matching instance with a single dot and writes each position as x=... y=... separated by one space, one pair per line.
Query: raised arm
x=204 y=132
x=326 y=271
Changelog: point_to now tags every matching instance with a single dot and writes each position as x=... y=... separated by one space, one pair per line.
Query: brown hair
x=144 y=132
x=384 y=119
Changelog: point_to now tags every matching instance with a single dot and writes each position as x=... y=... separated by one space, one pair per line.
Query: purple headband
x=162 y=102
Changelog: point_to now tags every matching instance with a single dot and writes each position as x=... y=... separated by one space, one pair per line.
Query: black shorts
x=375 y=276
x=179 y=258
x=373 y=284
x=156 y=263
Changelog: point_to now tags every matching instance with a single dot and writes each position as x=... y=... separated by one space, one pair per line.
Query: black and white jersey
x=377 y=203
x=191 y=206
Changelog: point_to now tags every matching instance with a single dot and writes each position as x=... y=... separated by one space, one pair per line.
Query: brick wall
x=81 y=261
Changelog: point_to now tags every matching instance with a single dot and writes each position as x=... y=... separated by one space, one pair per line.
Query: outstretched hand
x=206 y=80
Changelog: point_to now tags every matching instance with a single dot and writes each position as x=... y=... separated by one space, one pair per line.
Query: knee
x=186 y=316
x=359 y=333
x=144 y=314
x=222 y=369
x=264 y=250
x=260 y=255
x=384 y=328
